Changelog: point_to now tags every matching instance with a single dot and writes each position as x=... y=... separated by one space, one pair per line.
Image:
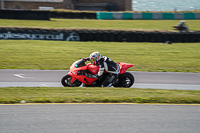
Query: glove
x=86 y=59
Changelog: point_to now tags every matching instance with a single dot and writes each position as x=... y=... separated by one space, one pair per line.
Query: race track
x=51 y=78
x=99 y=118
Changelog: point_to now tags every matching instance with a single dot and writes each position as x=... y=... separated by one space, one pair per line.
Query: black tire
x=66 y=82
x=125 y=80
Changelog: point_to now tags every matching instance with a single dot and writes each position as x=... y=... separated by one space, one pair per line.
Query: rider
x=182 y=26
x=107 y=65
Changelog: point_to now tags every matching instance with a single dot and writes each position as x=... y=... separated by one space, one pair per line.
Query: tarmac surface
x=99 y=118
x=51 y=78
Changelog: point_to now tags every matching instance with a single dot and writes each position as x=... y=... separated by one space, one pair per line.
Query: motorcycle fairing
x=74 y=74
x=83 y=79
x=124 y=66
x=93 y=68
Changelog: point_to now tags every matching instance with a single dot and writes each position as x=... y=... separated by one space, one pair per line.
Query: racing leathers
x=112 y=69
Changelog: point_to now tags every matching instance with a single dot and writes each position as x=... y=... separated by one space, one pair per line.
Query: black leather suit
x=112 y=69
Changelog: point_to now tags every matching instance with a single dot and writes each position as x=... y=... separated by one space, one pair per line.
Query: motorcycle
x=181 y=28
x=80 y=72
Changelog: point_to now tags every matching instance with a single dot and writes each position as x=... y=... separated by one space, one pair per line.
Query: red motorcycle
x=82 y=73
x=181 y=28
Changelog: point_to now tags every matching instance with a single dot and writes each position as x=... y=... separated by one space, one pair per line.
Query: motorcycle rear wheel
x=66 y=82
x=125 y=80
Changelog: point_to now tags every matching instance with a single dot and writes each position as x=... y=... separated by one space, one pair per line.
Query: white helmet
x=95 y=57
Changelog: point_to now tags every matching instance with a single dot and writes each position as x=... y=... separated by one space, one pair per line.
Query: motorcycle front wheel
x=125 y=80
x=66 y=82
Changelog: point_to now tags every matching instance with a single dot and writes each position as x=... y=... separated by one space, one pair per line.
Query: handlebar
x=86 y=59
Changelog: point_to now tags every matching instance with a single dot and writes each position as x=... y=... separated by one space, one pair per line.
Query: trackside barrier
x=97 y=35
x=44 y=15
x=73 y=15
x=25 y=14
x=38 y=34
x=147 y=16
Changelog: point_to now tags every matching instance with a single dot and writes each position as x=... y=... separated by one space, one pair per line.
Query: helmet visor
x=93 y=60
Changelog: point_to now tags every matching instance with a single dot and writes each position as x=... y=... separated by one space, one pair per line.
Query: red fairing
x=74 y=73
x=124 y=66
x=93 y=68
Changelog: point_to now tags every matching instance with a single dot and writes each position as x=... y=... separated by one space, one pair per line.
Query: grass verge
x=100 y=24
x=11 y=95
x=59 y=55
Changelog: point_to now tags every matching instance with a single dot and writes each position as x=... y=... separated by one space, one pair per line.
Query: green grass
x=102 y=24
x=97 y=95
x=37 y=54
